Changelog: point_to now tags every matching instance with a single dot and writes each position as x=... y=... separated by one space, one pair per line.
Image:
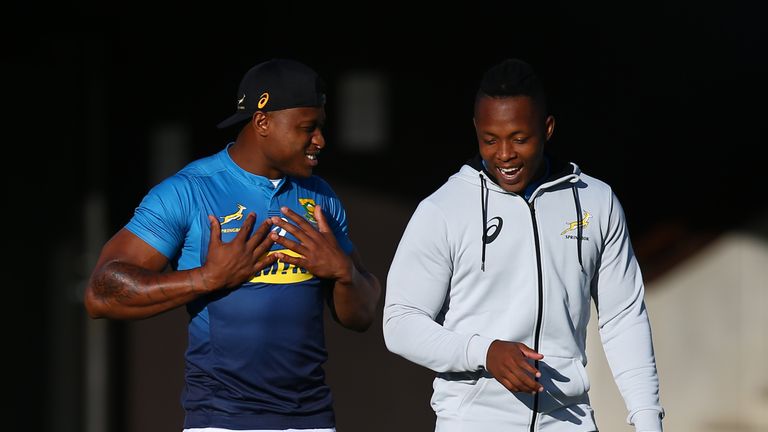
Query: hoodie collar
x=558 y=171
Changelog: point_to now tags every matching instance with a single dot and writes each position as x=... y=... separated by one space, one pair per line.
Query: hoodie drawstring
x=484 y=204
x=484 y=192
x=579 y=223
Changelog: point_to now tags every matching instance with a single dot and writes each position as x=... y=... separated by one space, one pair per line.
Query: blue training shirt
x=255 y=353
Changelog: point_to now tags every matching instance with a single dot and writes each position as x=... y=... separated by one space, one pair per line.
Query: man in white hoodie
x=495 y=297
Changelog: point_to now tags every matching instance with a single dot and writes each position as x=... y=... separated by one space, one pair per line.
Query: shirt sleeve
x=624 y=327
x=417 y=285
x=162 y=218
x=336 y=216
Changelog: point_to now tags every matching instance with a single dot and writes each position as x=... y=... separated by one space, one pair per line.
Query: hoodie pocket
x=472 y=394
x=565 y=383
x=452 y=395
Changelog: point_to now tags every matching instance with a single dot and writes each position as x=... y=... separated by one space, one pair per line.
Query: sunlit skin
x=277 y=143
x=511 y=134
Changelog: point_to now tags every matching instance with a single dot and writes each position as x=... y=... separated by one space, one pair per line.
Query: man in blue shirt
x=256 y=244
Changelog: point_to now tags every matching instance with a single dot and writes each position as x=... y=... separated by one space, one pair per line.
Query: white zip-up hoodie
x=451 y=291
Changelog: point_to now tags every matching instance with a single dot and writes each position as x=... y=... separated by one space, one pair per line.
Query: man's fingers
x=263 y=247
x=506 y=383
x=322 y=223
x=531 y=354
x=245 y=229
x=260 y=234
x=297 y=232
x=300 y=221
x=215 y=230
x=282 y=223
x=530 y=369
x=297 y=261
x=524 y=363
x=527 y=383
x=520 y=383
x=264 y=262
x=514 y=384
x=288 y=243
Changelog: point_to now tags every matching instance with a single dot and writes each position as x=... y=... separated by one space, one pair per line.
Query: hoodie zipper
x=539 y=314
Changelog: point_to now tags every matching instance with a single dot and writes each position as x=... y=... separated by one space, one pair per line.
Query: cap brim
x=234 y=119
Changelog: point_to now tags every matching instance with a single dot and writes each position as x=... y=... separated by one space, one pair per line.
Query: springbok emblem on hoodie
x=575 y=224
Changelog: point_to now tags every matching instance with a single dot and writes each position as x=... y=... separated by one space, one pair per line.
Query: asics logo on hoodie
x=494 y=229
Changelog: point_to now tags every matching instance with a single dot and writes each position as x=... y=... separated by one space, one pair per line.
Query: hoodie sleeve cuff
x=647 y=420
x=477 y=351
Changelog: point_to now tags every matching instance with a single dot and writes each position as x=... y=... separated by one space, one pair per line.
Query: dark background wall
x=665 y=102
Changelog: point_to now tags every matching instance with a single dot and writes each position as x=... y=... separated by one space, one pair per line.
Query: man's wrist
x=647 y=420
x=206 y=284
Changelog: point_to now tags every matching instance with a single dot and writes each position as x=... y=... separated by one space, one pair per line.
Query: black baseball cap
x=274 y=85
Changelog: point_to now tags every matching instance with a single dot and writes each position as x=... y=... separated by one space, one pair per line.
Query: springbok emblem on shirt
x=234 y=216
x=575 y=224
x=309 y=209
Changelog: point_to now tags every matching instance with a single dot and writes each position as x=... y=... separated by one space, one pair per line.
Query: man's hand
x=509 y=363
x=230 y=264
x=319 y=250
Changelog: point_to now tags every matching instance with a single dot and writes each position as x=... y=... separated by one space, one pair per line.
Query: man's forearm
x=355 y=300
x=125 y=291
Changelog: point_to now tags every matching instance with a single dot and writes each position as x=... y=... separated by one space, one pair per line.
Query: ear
x=549 y=123
x=260 y=123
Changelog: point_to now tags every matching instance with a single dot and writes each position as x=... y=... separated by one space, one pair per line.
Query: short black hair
x=512 y=77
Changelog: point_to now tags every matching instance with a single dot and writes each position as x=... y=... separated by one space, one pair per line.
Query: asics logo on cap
x=276 y=85
x=263 y=100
